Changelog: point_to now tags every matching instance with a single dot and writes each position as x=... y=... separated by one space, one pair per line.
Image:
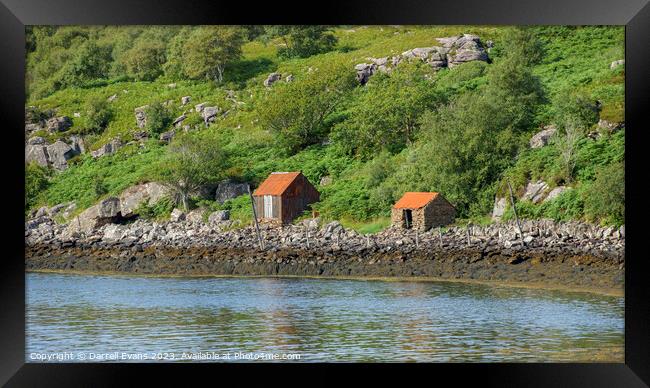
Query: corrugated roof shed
x=276 y=183
x=413 y=200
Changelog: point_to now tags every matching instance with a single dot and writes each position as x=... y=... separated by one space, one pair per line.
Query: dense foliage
x=462 y=131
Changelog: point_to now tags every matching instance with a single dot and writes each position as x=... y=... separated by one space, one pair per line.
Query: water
x=91 y=317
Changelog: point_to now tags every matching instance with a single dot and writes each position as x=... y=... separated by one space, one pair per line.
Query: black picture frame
x=634 y=14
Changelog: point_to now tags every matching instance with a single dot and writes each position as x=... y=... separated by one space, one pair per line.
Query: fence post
x=257 y=226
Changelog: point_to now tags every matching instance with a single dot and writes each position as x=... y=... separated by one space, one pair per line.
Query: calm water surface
x=319 y=320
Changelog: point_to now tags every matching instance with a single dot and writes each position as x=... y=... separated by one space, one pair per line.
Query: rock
x=499 y=208
x=535 y=191
x=167 y=136
x=108 y=148
x=58 y=155
x=195 y=216
x=58 y=124
x=114 y=232
x=311 y=223
x=141 y=116
x=218 y=216
x=333 y=227
x=556 y=192
x=76 y=114
x=37 y=140
x=199 y=107
x=178 y=121
x=177 y=215
x=364 y=71
x=616 y=64
x=112 y=98
x=542 y=138
x=171 y=86
x=140 y=135
x=106 y=211
x=185 y=100
x=209 y=114
x=36 y=153
x=29 y=127
x=289 y=78
x=528 y=239
x=77 y=144
x=609 y=126
x=272 y=78
x=229 y=189
x=326 y=180
x=134 y=196
x=621 y=231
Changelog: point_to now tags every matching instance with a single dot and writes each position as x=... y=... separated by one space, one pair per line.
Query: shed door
x=268 y=206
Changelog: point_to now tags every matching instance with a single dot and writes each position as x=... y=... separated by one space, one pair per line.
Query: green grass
x=367 y=227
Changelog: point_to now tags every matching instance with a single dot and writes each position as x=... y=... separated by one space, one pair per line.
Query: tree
x=208 y=51
x=143 y=62
x=36 y=181
x=303 y=41
x=297 y=112
x=386 y=114
x=90 y=62
x=605 y=198
x=158 y=118
x=98 y=113
x=568 y=146
x=191 y=162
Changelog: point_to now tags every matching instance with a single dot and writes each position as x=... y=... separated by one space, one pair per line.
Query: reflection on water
x=322 y=320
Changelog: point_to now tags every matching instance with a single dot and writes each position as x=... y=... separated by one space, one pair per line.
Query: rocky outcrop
x=543 y=137
x=609 y=126
x=229 y=189
x=141 y=116
x=272 y=78
x=105 y=212
x=54 y=155
x=219 y=216
x=178 y=121
x=499 y=208
x=77 y=144
x=107 y=149
x=185 y=100
x=453 y=51
x=135 y=196
x=209 y=114
x=556 y=192
x=177 y=215
x=535 y=191
x=616 y=64
x=58 y=124
x=326 y=180
x=167 y=136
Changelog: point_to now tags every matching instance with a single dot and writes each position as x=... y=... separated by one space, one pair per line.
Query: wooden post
x=514 y=211
x=467 y=233
x=257 y=226
x=440 y=234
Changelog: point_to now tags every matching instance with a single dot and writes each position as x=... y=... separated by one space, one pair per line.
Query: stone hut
x=283 y=196
x=422 y=211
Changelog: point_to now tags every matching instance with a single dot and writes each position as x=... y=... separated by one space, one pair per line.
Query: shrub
x=98 y=113
x=36 y=181
x=605 y=197
x=158 y=118
x=144 y=61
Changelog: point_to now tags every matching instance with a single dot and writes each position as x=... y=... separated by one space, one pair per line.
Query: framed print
x=441 y=185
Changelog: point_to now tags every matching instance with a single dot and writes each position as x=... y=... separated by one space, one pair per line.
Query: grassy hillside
x=573 y=65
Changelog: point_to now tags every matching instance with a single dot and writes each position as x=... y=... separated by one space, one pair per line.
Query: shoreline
x=613 y=292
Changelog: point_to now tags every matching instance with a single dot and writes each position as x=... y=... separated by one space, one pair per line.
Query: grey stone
x=107 y=149
x=218 y=216
x=616 y=64
x=209 y=114
x=112 y=98
x=199 y=107
x=542 y=138
x=535 y=191
x=106 y=211
x=77 y=144
x=37 y=140
x=185 y=100
x=556 y=192
x=58 y=124
x=178 y=121
x=177 y=215
x=167 y=136
x=609 y=126
x=229 y=189
x=134 y=196
x=289 y=78
x=58 y=154
x=30 y=127
x=499 y=208
x=326 y=180
x=272 y=78
x=141 y=116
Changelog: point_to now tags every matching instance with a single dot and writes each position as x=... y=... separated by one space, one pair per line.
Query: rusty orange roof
x=276 y=183
x=412 y=200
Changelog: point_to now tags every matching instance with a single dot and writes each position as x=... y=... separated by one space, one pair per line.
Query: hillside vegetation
x=461 y=131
